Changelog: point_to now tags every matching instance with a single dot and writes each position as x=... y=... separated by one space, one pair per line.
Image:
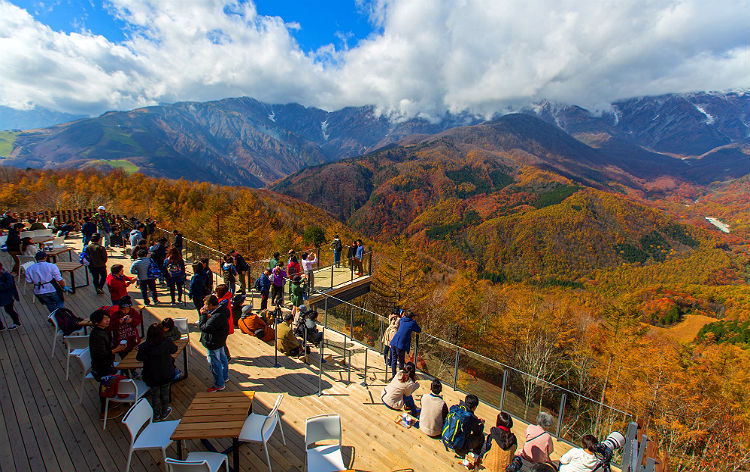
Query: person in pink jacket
x=539 y=445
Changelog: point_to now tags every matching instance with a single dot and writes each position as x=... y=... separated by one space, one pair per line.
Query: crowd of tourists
x=221 y=309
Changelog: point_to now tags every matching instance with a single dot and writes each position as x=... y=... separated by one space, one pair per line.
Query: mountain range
x=242 y=141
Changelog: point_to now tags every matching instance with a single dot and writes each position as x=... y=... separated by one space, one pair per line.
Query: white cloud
x=428 y=56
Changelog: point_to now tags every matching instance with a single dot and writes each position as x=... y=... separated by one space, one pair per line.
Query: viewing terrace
x=46 y=428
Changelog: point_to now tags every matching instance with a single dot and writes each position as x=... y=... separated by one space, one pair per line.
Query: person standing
x=97 y=255
x=242 y=268
x=159 y=254
x=278 y=279
x=263 y=285
x=297 y=289
x=401 y=342
x=103 y=225
x=87 y=229
x=8 y=296
x=136 y=235
x=359 y=256
x=158 y=369
x=274 y=261
x=351 y=251
x=146 y=278
x=178 y=240
x=308 y=267
x=44 y=276
x=229 y=273
x=13 y=245
x=197 y=291
x=214 y=325
x=393 y=321
x=174 y=269
x=336 y=246
x=118 y=282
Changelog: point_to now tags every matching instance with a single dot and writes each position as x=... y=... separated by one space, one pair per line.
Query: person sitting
x=286 y=342
x=500 y=446
x=102 y=352
x=251 y=323
x=28 y=247
x=124 y=321
x=170 y=330
x=64 y=230
x=539 y=445
x=158 y=369
x=35 y=225
x=398 y=393
x=581 y=459
x=434 y=411
x=473 y=428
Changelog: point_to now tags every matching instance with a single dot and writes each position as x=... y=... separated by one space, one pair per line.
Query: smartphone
x=124 y=342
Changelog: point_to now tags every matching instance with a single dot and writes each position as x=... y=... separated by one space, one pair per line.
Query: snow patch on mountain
x=324 y=129
x=709 y=118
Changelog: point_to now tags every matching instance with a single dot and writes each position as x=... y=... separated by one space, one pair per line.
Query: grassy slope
x=7 y=138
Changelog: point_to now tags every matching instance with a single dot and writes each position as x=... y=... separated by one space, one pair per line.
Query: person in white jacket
x=581 y=459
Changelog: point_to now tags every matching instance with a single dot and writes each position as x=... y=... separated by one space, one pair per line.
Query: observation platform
x=44 y=428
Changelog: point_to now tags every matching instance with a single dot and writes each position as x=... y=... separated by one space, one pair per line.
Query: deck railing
x=504 y=387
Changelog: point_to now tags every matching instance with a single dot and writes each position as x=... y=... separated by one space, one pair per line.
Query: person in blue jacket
x=198 y=286
x=401 y=342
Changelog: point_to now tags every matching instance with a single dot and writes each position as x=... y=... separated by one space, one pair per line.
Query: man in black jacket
x=214 y=325
x=242 y=268
x=100 y=347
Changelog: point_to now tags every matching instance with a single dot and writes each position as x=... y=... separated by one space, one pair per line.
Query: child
x=170 y=330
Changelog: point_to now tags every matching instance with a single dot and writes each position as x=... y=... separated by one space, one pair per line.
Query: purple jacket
x=279 y=276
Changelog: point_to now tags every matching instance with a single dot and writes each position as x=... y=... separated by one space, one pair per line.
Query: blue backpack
x=85 y=259
x=154 y=272
x=454 y=431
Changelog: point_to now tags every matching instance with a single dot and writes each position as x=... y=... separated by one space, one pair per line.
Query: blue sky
x=406 y=57
x=338 y=22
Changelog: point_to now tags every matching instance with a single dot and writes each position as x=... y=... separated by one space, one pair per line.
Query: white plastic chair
x=182 y=325
x=134 y=389
x=199 y=462
x=58 y=242
x=3 y=239
x=324 y=458
x=259 y=428
x=26 y=234
x=57 y=333
x=74 y=346
x=84 y=358
x=152 y=436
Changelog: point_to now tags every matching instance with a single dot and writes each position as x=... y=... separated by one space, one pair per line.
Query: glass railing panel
x=436 y=358
x=481 y=377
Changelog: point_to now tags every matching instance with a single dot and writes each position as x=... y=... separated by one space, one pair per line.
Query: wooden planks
x=215 y=415
x=43 y=427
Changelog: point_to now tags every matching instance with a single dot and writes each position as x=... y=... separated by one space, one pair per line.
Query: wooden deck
x=43 y=427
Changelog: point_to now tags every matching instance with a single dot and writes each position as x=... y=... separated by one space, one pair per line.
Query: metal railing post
x=325 y=316
x=369 y=263
x=320 y=365
x=502 y=394
x=331 y=277
x=364 y=381
x=561 y=414
x=351 y=336
x=276 y=314
x=455 y=369
x=416 y=348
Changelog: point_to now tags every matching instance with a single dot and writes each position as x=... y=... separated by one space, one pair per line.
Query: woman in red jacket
x=117 y=283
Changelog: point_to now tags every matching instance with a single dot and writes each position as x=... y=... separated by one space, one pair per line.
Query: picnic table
x=71 y=267
x=215 y=415
x=130 y=362
x=56 y=252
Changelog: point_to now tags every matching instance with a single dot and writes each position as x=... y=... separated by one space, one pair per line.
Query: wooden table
x=61 y=250
x=215 y=415
x=72 y=267
x=42 y=239
x=130 y=362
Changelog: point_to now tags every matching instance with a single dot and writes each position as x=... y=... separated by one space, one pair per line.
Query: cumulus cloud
x=426 y=56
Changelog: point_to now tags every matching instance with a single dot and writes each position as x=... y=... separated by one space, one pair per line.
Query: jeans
x=198 y=302
x=264 y=300
x=217 y=359
x=387 y=354
x=397 y=357
x=12 y=313
x=337 y=258
x=99 y=276
x=160 y=397
x=147 y=285
x=106 y=235
x=51 y=300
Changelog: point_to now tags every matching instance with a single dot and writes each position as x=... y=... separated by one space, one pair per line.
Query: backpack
x=174 y=270
x=67 y=322
x=337 y=245
x=154 y=272
x=256 y=285
x=85 y=259
x=454 y=431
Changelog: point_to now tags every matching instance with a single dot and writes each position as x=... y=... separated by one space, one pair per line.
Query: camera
x=605 y=450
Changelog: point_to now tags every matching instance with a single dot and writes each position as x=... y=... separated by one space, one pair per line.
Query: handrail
x=494 y=361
